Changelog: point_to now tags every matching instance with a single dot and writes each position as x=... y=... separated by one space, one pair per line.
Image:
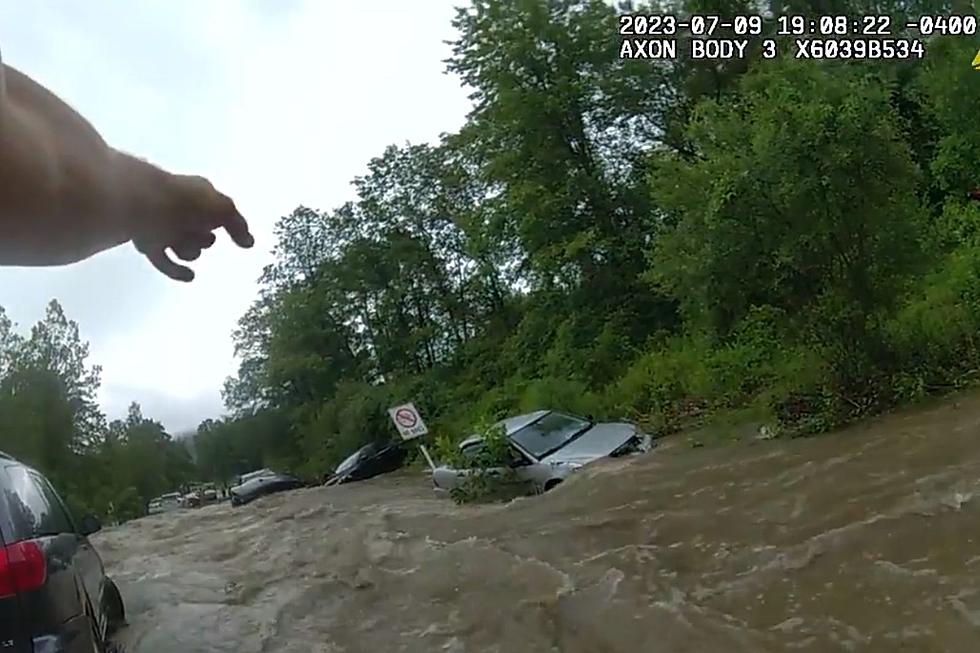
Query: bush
x=691 y=376
x=489 y=476
x=559 y=394
x=933 y=336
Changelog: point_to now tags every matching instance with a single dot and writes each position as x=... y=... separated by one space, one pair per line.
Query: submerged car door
x=527 y=470
x=520 y=463
x=87 y=563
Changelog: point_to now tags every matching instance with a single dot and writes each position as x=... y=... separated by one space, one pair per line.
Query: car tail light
x=22 y=568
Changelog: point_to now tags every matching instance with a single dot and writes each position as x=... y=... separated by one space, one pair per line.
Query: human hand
x=181 y=213
x=66 y=195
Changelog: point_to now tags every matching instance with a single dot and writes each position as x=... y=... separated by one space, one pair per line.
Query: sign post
x=410 y=426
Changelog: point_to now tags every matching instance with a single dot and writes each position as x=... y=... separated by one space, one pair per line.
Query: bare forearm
x=56 y=172
x=65 y=194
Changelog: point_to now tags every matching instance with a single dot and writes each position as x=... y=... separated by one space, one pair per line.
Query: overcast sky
x=278 y=102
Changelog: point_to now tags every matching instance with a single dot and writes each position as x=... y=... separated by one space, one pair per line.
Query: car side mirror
x=590 y=418
x=90 y=524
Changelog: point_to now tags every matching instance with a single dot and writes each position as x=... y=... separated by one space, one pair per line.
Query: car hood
x=598 y=442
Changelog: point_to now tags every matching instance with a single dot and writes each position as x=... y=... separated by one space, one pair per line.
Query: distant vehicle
x=54 y=592
x=199 y=494
x=369 y=461
x=164 y=503
x=547 y=446
x=190 y=500
x=262 y=485
x=209 y=494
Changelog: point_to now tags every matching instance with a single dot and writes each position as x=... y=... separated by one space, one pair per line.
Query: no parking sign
x=408 y=421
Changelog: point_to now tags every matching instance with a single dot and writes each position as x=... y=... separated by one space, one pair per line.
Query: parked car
x=263 y=485
x=369 y=461
x=209 y=494
x=190 y=500
x=547 y=446
x=164 y=503
x=54 y=592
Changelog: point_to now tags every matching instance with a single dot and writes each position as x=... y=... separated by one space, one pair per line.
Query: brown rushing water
x=862 y=540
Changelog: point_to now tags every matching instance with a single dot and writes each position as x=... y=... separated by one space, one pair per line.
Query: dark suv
x=54 y=594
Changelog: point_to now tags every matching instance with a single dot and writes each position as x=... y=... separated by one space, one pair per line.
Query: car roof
x=262 y=478
x=258 y=472
x=516 y=423
x=511 y=425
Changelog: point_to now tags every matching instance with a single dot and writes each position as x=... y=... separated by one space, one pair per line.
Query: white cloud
x=279 y=104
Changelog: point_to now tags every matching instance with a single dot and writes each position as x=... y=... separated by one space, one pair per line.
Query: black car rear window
x=33 y=509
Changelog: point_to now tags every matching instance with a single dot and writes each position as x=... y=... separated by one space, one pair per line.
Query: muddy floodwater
x=862 y=540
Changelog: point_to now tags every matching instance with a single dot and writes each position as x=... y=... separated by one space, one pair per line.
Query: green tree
x=49 y=418
x=806 y=203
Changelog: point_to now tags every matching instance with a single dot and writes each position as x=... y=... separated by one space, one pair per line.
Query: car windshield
x=349 y=462
x=548 y=434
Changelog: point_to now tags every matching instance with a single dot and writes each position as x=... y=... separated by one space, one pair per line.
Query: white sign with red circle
x=408 y=421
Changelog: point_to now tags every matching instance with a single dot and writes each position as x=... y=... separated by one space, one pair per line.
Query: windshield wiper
x=574 y=436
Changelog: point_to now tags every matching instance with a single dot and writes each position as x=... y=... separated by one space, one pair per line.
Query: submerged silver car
x=547 y=446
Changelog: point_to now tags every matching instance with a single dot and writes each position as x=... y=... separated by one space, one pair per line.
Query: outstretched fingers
x=236 y=226
x=185 y=221
x=190 y=246
x=157 y=255
x=187 y=252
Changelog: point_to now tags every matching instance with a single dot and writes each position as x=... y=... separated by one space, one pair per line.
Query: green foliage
x=689 y=377
x=806 y=202
x=668 y=243
x=489 y=476
x=49 y=419
x=569 y=394
x=949 y=97
x=933 y=335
